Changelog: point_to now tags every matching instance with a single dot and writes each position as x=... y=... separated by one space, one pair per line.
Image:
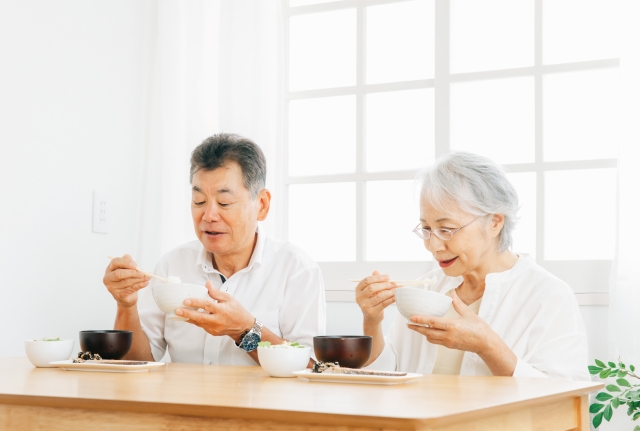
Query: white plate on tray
x=106 y=368
x=355 y=378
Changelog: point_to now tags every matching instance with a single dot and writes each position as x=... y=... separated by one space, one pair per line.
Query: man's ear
x=264 y=203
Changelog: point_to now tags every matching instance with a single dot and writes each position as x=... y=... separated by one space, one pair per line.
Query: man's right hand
x=123 y=280
x=373 y=295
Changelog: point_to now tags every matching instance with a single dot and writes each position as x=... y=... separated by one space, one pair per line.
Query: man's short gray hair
x=218 y=150
x=475 y=184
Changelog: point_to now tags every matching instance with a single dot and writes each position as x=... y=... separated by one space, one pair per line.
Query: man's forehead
x=222 y=189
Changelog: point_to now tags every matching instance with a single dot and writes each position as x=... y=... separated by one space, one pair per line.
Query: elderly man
x=260 y=288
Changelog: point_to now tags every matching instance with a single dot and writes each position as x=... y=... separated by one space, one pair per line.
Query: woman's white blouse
x=535 y=313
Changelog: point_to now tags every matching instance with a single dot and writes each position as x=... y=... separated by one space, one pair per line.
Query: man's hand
x=123 y=280
x=224 y=317
x=373 y=295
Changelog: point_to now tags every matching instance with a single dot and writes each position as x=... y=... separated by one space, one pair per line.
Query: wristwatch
x=250 y=339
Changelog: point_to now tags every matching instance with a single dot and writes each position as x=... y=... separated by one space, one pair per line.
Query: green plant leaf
x=615 y=402
x=600 y=363
x=594 y=370
x=605 y=373
x=603 y=396
x=612 y=364
x=597 y=419
x=608 y=412
x=595 y=407
x=612 y=388
x=623 y=382
x=637 y=428
x=636 y=415
x=632 y=368
x=622 y=373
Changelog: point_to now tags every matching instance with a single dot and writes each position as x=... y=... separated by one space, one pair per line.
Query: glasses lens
x=443 y=234
x=423 y=234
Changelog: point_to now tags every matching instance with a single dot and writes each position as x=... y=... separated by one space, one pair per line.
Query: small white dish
x=281 y=361
x=68 y=365
x=412 y=301
x=40 y=353
x=309 y=375
x=171 y=296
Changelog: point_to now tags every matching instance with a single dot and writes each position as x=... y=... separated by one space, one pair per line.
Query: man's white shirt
x=282 y=287
x=535 y=313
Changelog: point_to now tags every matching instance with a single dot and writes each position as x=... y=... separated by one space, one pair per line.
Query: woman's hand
x=469 y=333
x=373 y=295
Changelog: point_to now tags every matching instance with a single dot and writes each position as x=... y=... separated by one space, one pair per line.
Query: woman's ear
x=496 y=225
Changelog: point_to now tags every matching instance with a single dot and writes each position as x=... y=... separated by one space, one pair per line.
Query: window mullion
x=441 y=81
x=361 y=195
x=538 y=130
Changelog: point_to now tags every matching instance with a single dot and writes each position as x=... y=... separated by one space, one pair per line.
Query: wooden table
x=189 y=397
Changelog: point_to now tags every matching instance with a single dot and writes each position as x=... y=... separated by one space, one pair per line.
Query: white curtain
x=624 y=288
x=214 y=66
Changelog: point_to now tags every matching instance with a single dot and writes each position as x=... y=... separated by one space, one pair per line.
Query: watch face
x=250 y=342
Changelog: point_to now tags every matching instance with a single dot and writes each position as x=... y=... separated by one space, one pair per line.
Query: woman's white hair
x=475 y=184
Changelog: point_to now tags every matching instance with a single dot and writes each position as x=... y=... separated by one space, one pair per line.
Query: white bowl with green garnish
x=45 y=350
x=283 y=359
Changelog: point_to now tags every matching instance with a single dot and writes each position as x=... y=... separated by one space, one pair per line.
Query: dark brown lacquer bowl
x=109 y=344
x=351 y=351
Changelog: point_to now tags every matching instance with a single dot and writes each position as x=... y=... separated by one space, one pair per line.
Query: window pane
x=491 y=34
x=580 y=222
x=322 y=135
x=524 y=236
x=322 y=50
x=393 y=210
x=400 y=41
x=322 y=220
x=579 y=30
x=294 y=3
x=495 y=118
x=580 y=115
x=399 y=130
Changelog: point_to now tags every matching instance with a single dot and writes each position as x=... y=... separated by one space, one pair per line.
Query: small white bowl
x=412 y=301
x=40 y=353
x=283 y=361
x=170 y=296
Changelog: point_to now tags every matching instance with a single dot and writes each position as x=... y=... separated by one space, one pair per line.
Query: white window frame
x=588 y=278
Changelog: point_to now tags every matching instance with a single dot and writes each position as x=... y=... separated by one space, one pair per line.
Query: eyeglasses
x=442 y=233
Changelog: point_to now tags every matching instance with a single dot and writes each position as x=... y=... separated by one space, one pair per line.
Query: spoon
x=147 y=273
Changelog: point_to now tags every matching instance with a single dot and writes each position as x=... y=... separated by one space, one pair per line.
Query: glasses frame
x=425 y=234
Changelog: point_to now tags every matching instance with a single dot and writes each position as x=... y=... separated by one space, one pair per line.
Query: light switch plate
x=101 y=203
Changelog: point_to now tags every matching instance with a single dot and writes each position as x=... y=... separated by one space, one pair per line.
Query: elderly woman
x=509 y=316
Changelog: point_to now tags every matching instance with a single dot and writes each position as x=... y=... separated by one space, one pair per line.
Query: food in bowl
x=351 y=351
x=421 y=302
x=281 y=360
x=108 y=344
x=45 y=350
x=171 y=296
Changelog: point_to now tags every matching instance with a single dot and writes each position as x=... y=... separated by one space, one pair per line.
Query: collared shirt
x=282 y=287
x=535 y=313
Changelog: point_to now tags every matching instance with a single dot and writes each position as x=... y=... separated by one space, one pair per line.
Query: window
x=377 y=89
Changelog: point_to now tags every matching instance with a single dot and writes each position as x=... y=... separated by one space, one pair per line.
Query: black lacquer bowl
x=109 y=344
x=351 y=351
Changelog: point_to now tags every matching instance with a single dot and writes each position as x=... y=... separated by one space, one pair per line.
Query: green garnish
x=267 y=344
x=49 y=339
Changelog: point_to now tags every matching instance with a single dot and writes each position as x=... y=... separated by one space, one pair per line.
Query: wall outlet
x=101 y=212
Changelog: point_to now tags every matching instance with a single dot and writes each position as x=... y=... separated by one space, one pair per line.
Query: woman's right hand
x=123 y=280
x=373 y=295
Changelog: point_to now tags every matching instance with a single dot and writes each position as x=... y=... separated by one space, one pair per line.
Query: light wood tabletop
x=224 y=397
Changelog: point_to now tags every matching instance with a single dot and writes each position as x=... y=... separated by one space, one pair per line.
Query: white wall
x=72 y=94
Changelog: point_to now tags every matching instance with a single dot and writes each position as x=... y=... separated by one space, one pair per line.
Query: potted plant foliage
x=622 y=393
